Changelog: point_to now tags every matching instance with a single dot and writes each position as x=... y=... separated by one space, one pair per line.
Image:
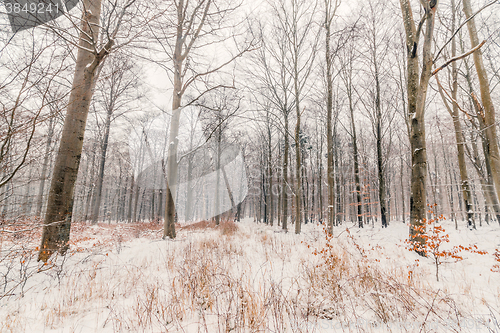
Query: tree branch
x=466 y=54
x=460 y=27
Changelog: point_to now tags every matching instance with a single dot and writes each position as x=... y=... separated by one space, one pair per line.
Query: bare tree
x=296 y=19
x=117 y=79
x=417 y=93
x=92 y=51
x=492 y=151
x=331 y=7
x=454 y=113
x=347 y=74
x=29 y=68
x=377 y=39
x=272 y=82
x=194 y=27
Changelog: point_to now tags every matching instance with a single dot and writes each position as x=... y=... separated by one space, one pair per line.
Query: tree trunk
x=269 y=174
x=189 y=191
x=417 y=92
x=320 y=180
x=485 y=175
x=57 y=221
x=169 y=222
x=488 y=108
x=359 y=203
x=458 y=129
x=298 y=163
x=380 y=157
x=50 y=134
x=305 y=191
x=284 y=223
x=402 y=190
x=100 y=176
x=217 y=180
x=330 y=173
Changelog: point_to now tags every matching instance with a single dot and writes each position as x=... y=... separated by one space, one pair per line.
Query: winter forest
x=249 y=166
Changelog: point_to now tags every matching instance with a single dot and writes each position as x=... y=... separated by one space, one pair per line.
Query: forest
x=205 y=143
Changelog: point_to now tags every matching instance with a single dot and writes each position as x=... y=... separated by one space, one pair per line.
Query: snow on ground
x=248 y=278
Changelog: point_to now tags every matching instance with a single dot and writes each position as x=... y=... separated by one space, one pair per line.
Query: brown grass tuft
x=228 y=228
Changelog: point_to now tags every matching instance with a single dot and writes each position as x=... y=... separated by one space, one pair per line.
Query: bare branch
x=460 y=27
x=466 y=54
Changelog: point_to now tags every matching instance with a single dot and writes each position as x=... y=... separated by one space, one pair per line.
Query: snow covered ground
x=248 y=278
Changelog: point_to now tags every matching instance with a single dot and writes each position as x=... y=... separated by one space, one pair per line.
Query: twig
x=454 y=101
x=31 y=229
x=459 y=57
x=460 y=27
x=430 y=309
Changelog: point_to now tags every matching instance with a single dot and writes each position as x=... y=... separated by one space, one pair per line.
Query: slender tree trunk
x=152 y=211
x=270 y=174
x=359 y=202
x=460 y=140
x=320 y=180
x=298 y=160
x=330 y=173
x=305 y=192
x=169 y=222
x=136 y=193
x=189 y=194
x=159 y=211
x=92 y=185
x=380 y=157
x=488 y=107
x=217 y=181
x=403 y=206
x=284 y=223
x=239 y=208
x=280 y=185
x=100 y=176
x=50 y=134
x=485 y=175
x=57 y=221
x=313 y=189
x=336 y=160
x=228 y=186
x=448 y=180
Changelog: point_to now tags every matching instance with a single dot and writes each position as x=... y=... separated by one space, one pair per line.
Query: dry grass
x=202 y=225
x=346 y=283
x=242 y=282
x=226 y=227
